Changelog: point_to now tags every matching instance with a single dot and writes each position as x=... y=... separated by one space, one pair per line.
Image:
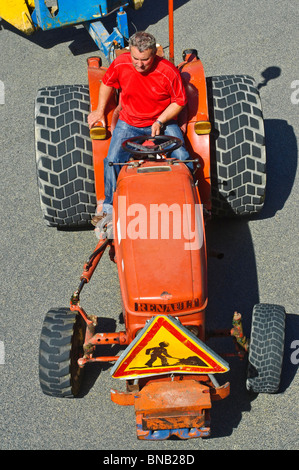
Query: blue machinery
x=30 y=15
x=49 y=14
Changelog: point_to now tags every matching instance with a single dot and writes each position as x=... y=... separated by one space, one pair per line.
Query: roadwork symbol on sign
x=165 y=346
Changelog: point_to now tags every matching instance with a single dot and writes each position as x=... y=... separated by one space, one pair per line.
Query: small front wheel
x=61 y=345
x=266 y=348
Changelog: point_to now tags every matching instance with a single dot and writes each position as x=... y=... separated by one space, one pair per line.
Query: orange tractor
x=157 y=240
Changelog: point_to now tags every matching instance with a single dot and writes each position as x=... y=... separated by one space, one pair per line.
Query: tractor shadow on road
x=270 y=73
x=282 y=157
x=233 y=286
x=232 y=279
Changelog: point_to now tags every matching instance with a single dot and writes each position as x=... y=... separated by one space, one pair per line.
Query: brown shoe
x=97 y=218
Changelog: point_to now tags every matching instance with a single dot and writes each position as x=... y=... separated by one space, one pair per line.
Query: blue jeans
x=122 y=132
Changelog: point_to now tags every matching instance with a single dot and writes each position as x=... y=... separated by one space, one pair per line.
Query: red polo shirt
x=144 y=96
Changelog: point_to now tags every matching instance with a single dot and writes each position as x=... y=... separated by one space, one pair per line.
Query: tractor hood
x=159 y=240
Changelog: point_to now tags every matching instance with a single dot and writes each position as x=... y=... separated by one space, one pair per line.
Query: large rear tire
x=238 y=154
x=266 y=348
x=64 y=156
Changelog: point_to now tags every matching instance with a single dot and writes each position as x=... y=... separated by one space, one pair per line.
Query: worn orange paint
x=177 y=404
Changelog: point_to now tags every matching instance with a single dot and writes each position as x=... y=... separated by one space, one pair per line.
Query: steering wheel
x=146 y=145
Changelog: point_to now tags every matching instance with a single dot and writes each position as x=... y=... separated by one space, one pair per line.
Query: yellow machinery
x=18 y=13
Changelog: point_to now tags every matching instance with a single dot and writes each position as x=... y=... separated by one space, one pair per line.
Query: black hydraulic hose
x=96 y=252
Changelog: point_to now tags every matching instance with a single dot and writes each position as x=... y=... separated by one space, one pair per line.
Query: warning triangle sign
x=165 y=346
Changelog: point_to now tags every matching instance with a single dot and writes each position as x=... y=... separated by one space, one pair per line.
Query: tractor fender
x=100 y=148
x=193 y=76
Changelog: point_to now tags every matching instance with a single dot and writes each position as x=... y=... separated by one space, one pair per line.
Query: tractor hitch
x=236 y=332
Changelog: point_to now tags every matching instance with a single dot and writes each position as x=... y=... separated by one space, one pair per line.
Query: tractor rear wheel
x=266 y=348
x=61 y=345
x=238 y=154
x=64 y=156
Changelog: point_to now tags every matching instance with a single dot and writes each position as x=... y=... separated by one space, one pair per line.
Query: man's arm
x=169 y=113
x=99 y=113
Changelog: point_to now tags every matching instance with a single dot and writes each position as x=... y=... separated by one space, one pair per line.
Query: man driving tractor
x=152 y=96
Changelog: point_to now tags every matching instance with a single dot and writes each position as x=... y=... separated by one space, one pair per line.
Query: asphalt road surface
x=41 y=266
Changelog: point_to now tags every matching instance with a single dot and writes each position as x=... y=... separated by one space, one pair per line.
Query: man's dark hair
x=143 y=41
